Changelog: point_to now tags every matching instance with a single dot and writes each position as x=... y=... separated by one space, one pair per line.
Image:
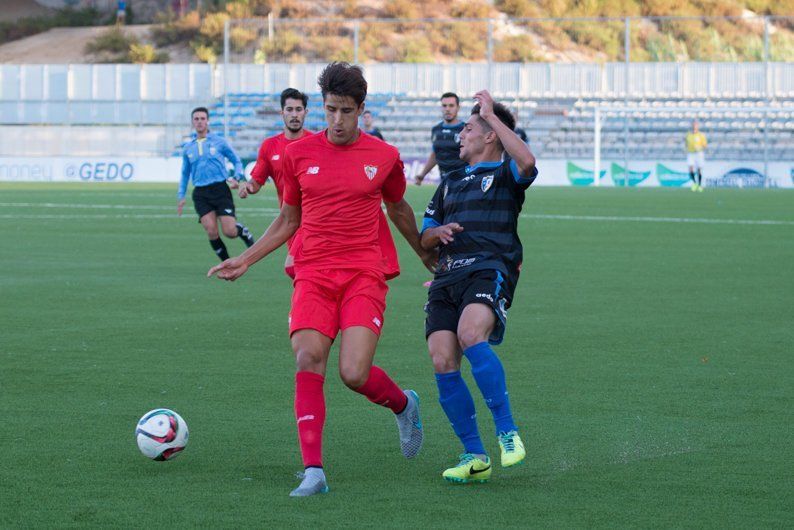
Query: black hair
x=343 y=79
x=501 y=112
x=292 y=93
x=199 y=109
x=366 y=112
x=451 y=95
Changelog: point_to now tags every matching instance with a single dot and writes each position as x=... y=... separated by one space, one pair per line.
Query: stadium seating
x=558 y=127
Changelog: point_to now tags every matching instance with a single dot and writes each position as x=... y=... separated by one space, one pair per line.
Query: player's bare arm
x=285 y=225
x=431 y=162
x=514 y=146
x=440 y=235
x=180 y=205
x=402 y=215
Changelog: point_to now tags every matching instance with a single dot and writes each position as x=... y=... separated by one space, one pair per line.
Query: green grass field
x=648 y=354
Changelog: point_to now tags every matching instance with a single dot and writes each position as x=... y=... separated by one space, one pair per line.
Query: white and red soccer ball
x=161 y=434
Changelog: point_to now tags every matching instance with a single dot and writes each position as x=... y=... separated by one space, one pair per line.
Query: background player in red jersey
x=333 y=187
x=271 y=153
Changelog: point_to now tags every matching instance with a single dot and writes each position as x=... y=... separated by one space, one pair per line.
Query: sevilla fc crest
x=485 y=185
x=371 y=171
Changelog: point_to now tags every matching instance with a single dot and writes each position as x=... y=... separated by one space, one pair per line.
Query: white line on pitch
x=656 y=219
x=274 y=211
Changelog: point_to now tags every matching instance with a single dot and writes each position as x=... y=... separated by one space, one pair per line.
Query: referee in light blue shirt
x=204 y=161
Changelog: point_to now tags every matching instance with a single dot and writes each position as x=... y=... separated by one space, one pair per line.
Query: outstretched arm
x=431 y=162
x=518 y=150
x=402 y=215
x=277 y=234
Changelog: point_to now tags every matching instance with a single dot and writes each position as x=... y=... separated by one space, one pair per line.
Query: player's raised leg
x=356 y=352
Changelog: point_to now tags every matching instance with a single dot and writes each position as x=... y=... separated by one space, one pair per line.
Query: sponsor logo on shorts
x=306 y=418
x=313 y=170
x=428 y=211
x=487 y=296
x=376 y=321
x=227 y=210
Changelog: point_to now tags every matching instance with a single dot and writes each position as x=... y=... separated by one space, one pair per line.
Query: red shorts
x=334 y=299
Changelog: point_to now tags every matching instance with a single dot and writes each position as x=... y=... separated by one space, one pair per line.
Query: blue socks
x=455 y=399
x=490 y=377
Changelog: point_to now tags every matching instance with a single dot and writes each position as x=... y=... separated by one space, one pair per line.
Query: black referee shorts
x=213 y=198
x=445 y=304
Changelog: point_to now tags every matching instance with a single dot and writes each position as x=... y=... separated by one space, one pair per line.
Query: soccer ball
x=161 y=434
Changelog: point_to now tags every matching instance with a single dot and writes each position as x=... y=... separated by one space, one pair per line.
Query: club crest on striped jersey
x=371 y=171
x=485 y=185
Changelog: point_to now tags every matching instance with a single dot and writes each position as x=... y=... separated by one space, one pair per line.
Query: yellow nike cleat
x=513 y=451
x=469 y=469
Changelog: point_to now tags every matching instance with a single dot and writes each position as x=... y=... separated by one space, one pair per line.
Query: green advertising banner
x=670 y=178
x=635 y=177
x=579 y=176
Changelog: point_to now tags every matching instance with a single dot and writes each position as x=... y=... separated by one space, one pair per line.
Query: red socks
x=380 y=389
x=310 y=416
x=310 y=408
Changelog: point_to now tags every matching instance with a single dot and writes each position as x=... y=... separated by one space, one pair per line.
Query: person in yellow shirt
x=695 y=145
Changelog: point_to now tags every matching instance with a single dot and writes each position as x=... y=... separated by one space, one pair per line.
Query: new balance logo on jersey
x=275 y=157
x=371 y=171
x=313 y=170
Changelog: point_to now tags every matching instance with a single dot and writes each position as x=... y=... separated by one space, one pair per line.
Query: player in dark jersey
x=446 y=140
x=369 y=125
x=473 y=220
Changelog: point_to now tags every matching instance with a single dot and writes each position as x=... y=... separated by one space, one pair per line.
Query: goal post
x=719 y=121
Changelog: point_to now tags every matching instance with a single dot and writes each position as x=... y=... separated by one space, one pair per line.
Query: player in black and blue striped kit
x=473 y=221
x=445 y=136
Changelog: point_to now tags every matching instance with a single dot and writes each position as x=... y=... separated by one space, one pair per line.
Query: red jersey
x=269 y=161
x=339 y=189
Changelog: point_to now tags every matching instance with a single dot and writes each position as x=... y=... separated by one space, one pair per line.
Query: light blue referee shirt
x=203 y=160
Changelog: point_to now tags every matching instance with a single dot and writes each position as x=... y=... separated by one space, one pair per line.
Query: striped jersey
x=485 y=200
x=446 y=146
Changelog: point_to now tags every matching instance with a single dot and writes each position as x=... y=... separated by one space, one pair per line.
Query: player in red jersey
x=334 y=184
x=271 y=153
